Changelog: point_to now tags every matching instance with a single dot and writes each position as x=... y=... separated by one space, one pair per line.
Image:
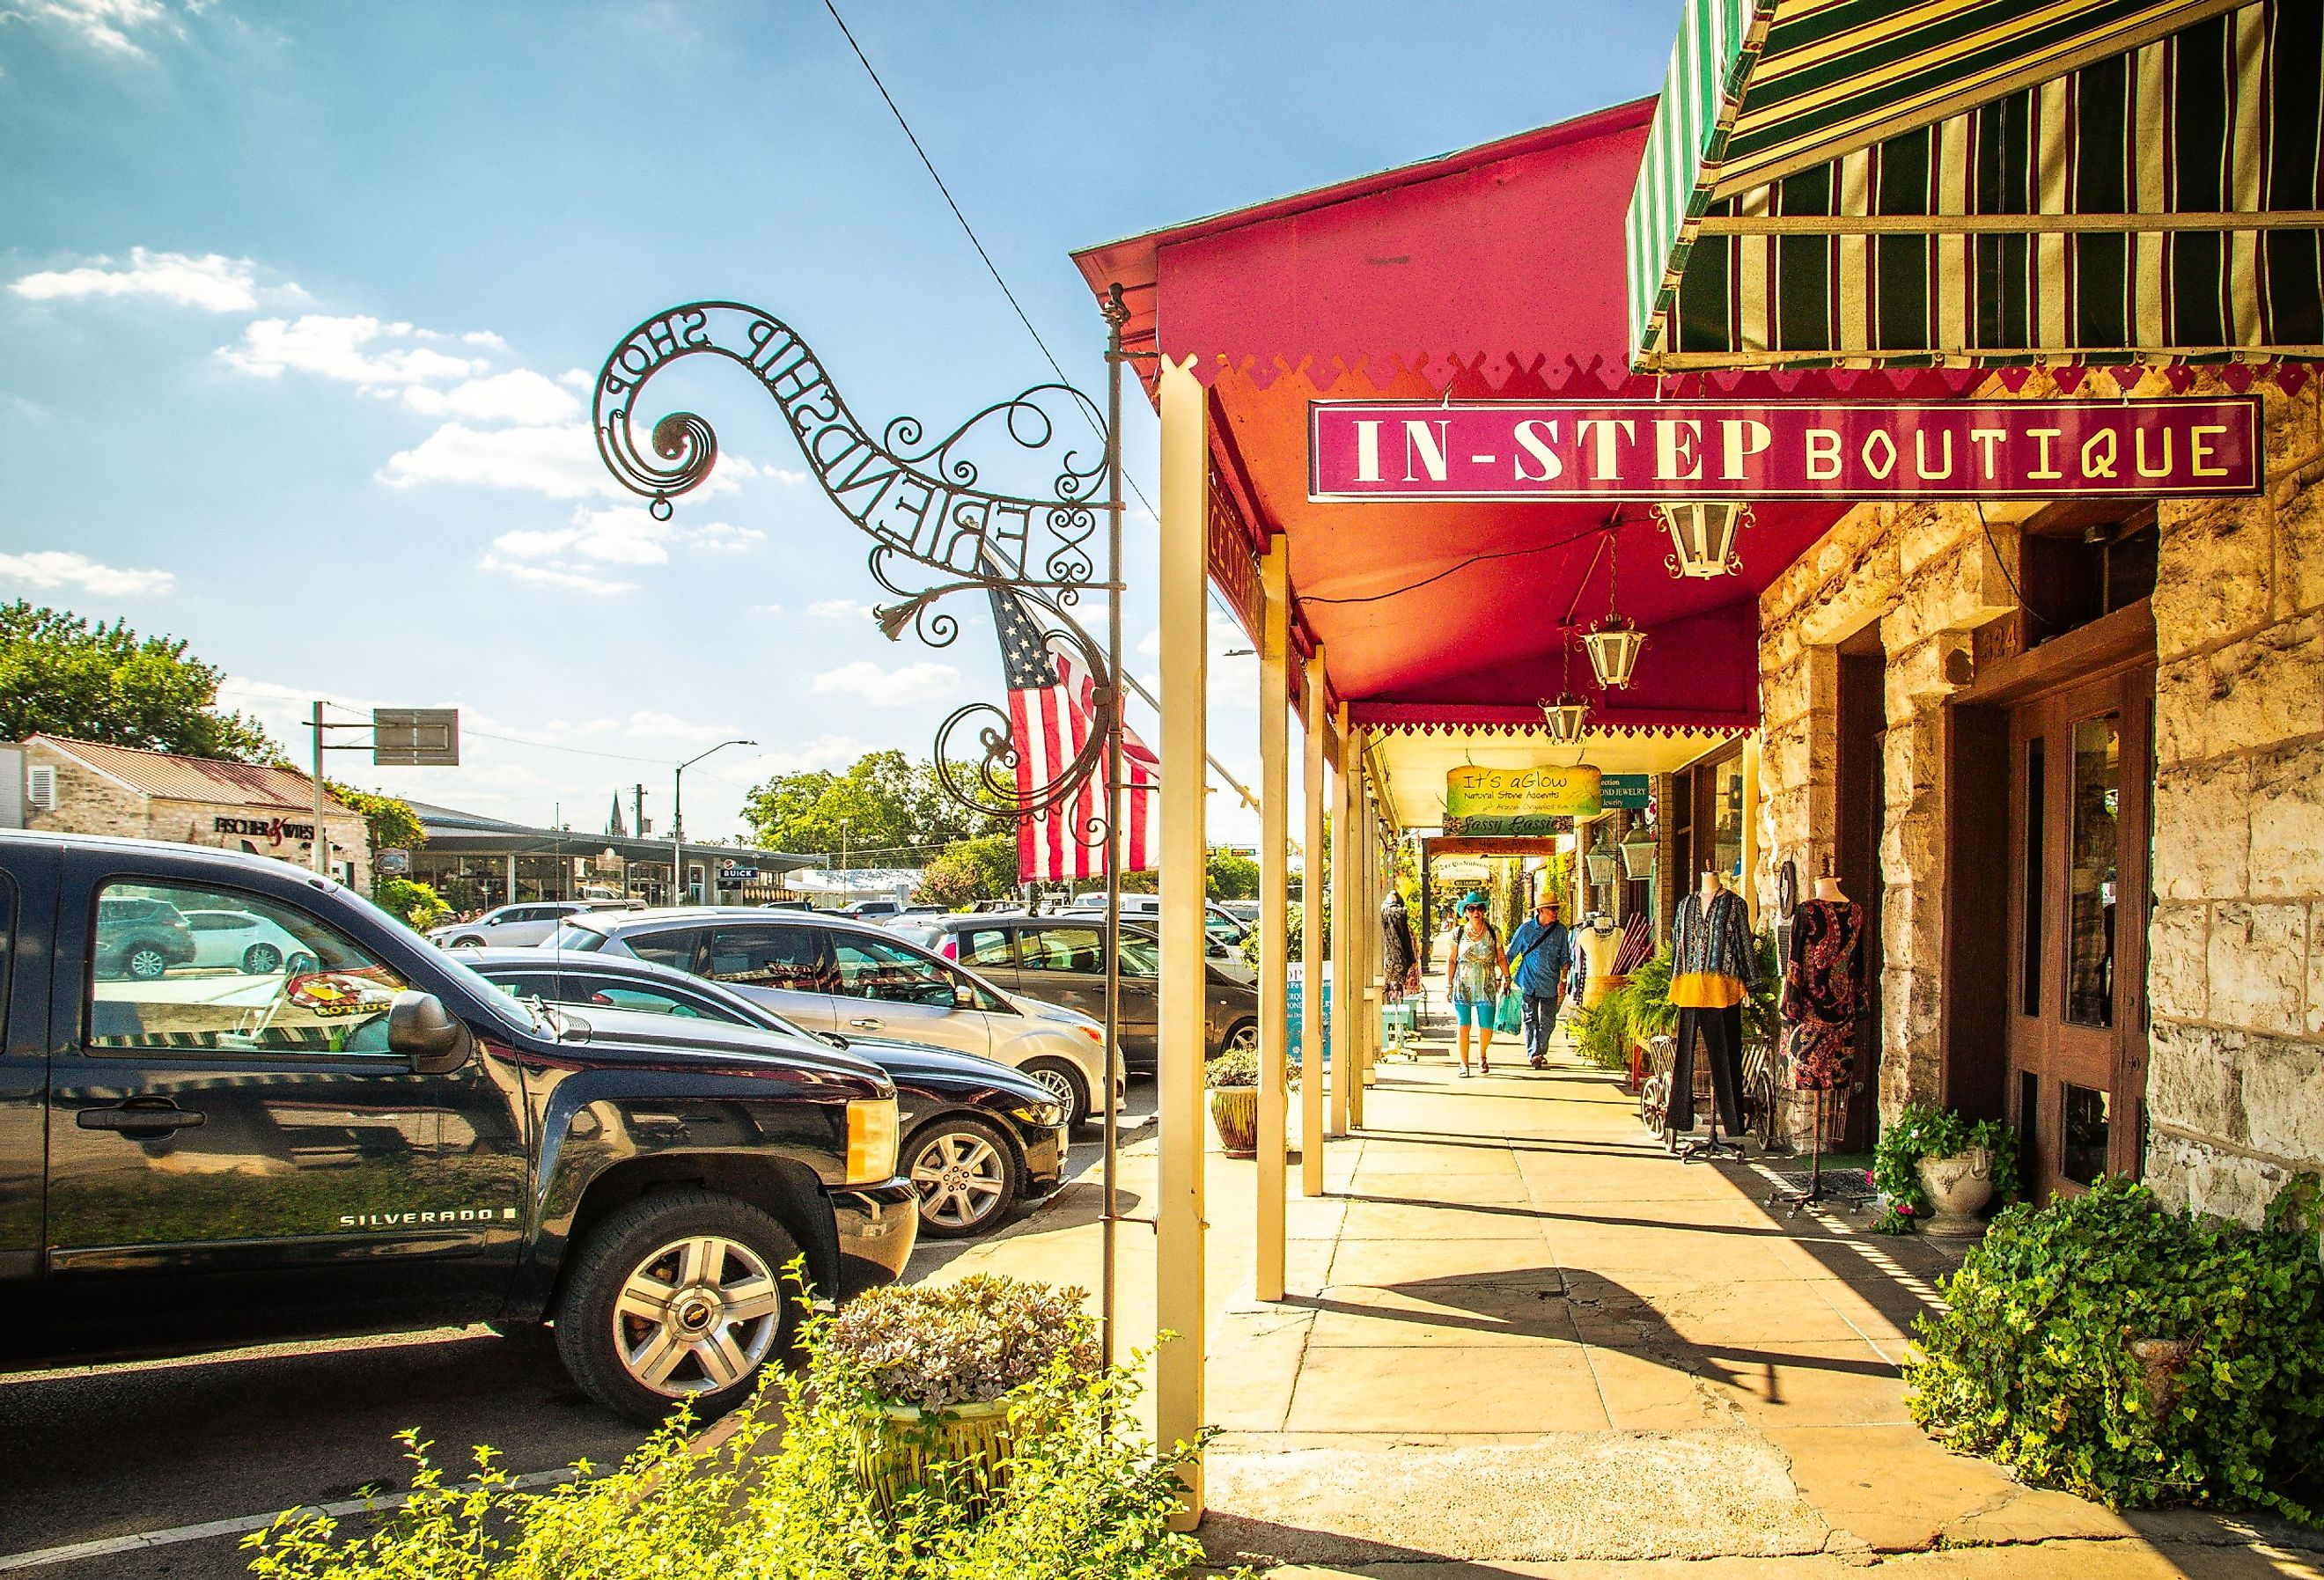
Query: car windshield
x=580 y=939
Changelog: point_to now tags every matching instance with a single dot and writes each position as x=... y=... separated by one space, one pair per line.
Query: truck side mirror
x=436 y=1040
x=964 y=997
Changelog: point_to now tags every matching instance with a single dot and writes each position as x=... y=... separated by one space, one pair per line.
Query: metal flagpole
x=1116 y=315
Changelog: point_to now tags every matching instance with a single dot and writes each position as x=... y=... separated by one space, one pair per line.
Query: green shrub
x=1239 y=1066
x=1925 y=1130
x=1602 y=1035
x=415 y=903
x=2033 y=1364
x=1082 y=1500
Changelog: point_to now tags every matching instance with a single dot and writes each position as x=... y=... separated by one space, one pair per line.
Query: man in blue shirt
x=1541 y=954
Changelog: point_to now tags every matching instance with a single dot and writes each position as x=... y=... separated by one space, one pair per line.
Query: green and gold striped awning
x=1882 y=181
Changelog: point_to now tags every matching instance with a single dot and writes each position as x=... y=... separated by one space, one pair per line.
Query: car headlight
x=870 y=1141
x=1041 y=1116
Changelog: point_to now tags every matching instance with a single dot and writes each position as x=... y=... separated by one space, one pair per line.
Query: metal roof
x=167 y=776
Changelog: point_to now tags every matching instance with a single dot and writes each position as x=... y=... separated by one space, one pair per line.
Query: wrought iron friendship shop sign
x=1670 y=450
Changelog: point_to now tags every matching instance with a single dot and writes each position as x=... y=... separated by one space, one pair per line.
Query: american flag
x=1052 y=710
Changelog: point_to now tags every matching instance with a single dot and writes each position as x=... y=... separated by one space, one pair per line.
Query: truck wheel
x=146 y=962
x=1066 y=1083
x=677 y=1295
x=966 y=1174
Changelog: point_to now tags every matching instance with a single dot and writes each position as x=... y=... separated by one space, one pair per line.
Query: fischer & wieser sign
x=1781 y=449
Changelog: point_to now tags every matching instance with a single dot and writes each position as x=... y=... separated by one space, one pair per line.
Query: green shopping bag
x=1509 y=1017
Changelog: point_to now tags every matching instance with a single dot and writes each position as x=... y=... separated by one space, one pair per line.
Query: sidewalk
x=1521 y=1334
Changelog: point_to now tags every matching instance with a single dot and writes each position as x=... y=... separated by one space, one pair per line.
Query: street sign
x=415 y=738
x=1517 y=800
x=1633 y=791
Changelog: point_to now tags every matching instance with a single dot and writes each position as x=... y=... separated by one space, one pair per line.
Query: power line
x=989 y=266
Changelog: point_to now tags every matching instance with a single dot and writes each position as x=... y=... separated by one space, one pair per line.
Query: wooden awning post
x=1311 y=901
x=1181 y=1042
x=1274 y=887
x=1347 y=994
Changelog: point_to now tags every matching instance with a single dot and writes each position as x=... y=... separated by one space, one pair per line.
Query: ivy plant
x=1924 y=1130
x=2126 y=1353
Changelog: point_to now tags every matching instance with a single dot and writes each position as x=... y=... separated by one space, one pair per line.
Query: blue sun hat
x=1475 y=897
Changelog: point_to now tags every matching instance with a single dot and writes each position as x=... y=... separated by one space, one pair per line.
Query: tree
x=1229 y=876
x=415 y=903
x=105 y=683
x=895 y=812
x=983 y=868
x=388 y=821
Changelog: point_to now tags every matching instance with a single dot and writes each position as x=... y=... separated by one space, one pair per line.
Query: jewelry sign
x=1667 y=450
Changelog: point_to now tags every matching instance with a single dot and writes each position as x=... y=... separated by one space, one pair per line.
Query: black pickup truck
x=370 y=1138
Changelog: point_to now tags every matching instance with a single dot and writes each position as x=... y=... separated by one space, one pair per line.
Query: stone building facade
x=2234 y=953
x=80 y=787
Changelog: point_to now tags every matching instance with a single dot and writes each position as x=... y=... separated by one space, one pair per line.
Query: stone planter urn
x=1235 y=1110
x=895 y=1459
x=1959 y=1189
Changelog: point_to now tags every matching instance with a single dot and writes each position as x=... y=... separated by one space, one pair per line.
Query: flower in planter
x=1239 y=1066
x=935 y=1347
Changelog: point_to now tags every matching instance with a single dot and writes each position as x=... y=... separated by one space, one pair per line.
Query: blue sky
x=296 y=297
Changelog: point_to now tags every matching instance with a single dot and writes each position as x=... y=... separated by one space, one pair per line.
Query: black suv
x=141 y=937
x=198 y=1157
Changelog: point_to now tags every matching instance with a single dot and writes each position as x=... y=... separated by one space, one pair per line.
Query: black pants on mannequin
x=1722 y=1044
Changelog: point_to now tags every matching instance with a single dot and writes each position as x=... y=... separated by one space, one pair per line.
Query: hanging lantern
x=1702 y=535
x=1565 y=717
x=1613 y=650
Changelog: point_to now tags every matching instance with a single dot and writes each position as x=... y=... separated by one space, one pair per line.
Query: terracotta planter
x=1595 y=993
x=896 y=1458
x=1959 y=1189
x=1235 y=1110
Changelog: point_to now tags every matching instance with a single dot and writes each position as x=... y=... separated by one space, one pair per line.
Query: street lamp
x=678 y=823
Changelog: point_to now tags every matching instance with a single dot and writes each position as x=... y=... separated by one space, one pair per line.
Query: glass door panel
x=2092 y=878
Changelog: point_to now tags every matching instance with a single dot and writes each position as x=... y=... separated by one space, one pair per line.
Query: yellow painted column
x=1311 y=901
x=1750 y=878
x=1361 y=934
x=1274 y=885
x=1346 y=994
x=1180 y=1038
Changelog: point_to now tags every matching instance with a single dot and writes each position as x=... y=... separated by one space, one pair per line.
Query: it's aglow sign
x=1781 y=449
x=1518 y=800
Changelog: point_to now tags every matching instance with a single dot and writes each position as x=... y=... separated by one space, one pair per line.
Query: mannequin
x=1714 y=965
x=1599 y=943
x=1823 y=991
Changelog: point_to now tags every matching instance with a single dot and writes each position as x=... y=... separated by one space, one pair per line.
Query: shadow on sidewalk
x=1233 y=1539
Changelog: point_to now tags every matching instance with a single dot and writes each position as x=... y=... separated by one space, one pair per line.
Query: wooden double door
x=2082 y=778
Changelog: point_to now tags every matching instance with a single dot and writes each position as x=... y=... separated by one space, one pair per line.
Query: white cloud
x=839 y=609
x=559 y=460
x=341 y=348
x=520 y=395
x=787 y=477
x=213 y=282
x=104 y=24
x=649 y=725
x=553 y=574
x=823 y=751
x=899 y=687
x=48 y=569
x=486 y=338
x=622 y=534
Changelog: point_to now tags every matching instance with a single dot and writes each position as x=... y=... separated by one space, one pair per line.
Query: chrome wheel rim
x=147 y=964
x=1058 y=1082
x=1244 y=1039
x=960 y=1180
x=697 y=1316
x=262 y=960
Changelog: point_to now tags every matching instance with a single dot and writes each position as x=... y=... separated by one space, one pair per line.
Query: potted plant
x=1939 y=1169
x=940 y=1365
x=1234 y=1080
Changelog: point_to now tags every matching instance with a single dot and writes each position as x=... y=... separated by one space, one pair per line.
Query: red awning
x=1494 y=271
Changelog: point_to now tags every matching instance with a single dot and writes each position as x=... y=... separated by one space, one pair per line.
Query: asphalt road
x=113 y=1452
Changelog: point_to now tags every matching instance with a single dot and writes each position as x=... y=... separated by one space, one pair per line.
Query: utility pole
x=322 y=845
x=846 y=874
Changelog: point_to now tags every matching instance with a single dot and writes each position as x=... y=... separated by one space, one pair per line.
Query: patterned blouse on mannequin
x=1823 y=993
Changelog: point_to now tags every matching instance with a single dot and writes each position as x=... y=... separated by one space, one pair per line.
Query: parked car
x=513 y=926
x=388 y=1141
x=1245 y=911
x=142 y=936
x=979 y=1137
x=246 y=942
x=1062 y=959
x=1221 y=924
x=828 y=972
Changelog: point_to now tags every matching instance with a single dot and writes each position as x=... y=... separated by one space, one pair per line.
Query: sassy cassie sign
x=1778 y=449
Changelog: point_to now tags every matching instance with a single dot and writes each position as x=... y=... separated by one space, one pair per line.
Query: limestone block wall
x=2236 y=1072
x=89 y=802
x=1927 y=575
x=2236 y=1054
